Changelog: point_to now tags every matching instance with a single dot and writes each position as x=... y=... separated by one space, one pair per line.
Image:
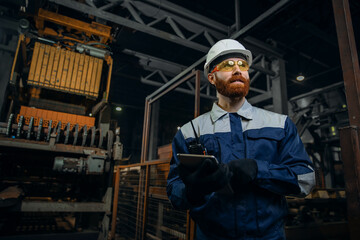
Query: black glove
x=243 y=172
x=207 y=178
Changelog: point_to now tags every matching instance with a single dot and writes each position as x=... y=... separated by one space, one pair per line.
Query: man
x=260 y=153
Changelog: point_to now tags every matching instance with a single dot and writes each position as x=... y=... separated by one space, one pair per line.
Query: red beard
x=227 y=89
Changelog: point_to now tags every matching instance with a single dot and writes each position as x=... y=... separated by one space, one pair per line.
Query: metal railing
x=141 y=209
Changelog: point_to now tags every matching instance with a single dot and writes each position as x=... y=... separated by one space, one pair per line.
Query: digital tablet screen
x=194 y=160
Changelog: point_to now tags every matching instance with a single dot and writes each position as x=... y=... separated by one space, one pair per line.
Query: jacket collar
x=245 y=111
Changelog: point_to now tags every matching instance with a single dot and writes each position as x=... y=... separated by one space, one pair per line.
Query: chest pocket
x=263 y=144
x=211 y=143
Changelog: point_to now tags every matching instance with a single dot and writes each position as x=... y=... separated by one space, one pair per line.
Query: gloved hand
x=243 y=172
x=207 y=178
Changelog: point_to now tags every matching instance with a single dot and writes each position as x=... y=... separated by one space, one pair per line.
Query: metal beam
x=152 y=63
x=237 y=15
x=350 y=155
x=190 y=15
x=154 y=130
x=264 y=47
x=192 y=25
x=257 y=90
x=269 y=13
x=349 y=59
x=263 y=70
x=255 y=77
x=133 y=11
x=43 y=206
x=260 y=98
x=209 y=38
x=251 y=25
x=350 y=136
x=178 y=89
x=174 y=26
x=131 y=24
x=318 y=91
x=257 y=58
x=110 y=5
x=279 y=91
x=41 y=146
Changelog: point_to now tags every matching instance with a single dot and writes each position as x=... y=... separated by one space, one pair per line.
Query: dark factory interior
x=94 y=91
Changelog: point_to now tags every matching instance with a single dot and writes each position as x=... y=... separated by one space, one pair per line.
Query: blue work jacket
x=284 y=168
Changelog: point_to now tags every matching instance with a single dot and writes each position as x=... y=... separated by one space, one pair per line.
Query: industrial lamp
x=300 y=77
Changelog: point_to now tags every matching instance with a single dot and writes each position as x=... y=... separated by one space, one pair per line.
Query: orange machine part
x=48 y=115
x=63 y=70
x=103 y=32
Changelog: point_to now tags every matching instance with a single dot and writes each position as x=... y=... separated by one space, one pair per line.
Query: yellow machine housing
x=64 y=70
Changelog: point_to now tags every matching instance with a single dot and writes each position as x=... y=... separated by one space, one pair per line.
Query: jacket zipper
x=255 y=200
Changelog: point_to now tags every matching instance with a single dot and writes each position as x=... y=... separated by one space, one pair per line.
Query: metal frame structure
x=139 y=24
x=145 y=149
x=350 y=136
x=158 y=94
x=177 y=18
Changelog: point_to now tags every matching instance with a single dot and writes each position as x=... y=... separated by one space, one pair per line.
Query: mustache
x=238 y=78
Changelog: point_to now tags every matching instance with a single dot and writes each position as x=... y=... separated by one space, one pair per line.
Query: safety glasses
x=229 y=65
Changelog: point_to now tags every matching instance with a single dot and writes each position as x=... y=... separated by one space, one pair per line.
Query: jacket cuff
x=263 y=170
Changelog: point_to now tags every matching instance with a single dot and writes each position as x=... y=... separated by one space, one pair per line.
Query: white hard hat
x=227 y=47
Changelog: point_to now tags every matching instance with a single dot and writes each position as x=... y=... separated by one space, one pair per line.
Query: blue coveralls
x=284 y=168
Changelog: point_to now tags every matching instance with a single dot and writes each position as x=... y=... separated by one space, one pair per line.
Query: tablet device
x=192 y=161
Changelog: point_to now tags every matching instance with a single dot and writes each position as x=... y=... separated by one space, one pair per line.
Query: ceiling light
x=118 y=109
x=300 y=77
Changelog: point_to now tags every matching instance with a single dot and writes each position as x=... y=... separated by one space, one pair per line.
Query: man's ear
x=211 y=78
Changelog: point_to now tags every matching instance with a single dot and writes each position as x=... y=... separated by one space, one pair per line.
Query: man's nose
x=236 y=70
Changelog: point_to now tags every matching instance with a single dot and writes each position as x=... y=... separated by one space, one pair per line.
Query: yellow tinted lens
x=243 y=65
x=226 y=66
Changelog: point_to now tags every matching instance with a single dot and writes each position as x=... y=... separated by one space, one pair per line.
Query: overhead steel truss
x=186 y=28
x=197 y=26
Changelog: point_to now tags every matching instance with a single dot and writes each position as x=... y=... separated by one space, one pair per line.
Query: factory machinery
x=58 y=144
